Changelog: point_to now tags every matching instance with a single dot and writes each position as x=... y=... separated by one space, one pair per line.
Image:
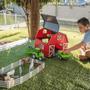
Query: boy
x=83 y=25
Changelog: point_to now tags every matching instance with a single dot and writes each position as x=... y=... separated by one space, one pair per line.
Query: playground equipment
x=48 y=38
x=8 y=74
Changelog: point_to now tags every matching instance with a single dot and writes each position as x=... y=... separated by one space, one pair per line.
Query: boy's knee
x=87 y=54
x=82 y=57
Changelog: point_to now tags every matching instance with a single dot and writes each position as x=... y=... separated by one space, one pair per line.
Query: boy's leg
x=82 y=57
x=85 y=57
x=87 y=54
x=82 y=52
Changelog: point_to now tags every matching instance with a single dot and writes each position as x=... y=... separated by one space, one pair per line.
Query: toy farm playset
x=48 y=38
x=48 y=43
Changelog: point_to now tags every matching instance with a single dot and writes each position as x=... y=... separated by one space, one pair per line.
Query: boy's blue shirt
x=86 y=38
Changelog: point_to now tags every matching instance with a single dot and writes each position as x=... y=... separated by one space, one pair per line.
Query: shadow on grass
x=6 y=36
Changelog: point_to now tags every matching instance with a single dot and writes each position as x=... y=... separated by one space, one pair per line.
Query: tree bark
x=35 y=17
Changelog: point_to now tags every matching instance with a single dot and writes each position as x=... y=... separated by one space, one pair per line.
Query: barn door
x=51 y=50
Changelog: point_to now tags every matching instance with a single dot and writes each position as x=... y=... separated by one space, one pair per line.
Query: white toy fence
x=22 y=78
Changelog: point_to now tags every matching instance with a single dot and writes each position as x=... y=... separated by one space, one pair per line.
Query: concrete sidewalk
x=66 y=12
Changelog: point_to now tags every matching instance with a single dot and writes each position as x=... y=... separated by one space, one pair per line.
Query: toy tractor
x=35 y=53
x=63 y=56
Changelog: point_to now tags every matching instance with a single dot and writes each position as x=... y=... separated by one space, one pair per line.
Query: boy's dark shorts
x=86 y=57
x=87 y=54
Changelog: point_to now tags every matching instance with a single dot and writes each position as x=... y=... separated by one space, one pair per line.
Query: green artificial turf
x=13 y=35
x=57 y=75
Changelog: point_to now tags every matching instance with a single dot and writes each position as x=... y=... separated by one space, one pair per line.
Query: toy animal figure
x=4 y=77
x=25 y=60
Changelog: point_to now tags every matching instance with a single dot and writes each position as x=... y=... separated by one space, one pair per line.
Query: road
x=66 y=12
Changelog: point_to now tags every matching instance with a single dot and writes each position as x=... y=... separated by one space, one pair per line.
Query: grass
x=10 y=19
x=1 y=19
x=13 y=35
x=57 y=75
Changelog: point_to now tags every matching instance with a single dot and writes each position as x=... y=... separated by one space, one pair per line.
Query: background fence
x=7 y=19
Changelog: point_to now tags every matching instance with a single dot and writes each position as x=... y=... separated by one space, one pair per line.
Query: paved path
x=66 y=12
x=13 y=44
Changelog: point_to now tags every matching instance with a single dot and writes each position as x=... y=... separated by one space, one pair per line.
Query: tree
x=32 y=8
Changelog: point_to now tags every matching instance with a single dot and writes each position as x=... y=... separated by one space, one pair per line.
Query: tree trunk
x=35 y=17
x=29 y=26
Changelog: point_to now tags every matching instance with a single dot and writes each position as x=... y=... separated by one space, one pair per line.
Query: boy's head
x=83 y=24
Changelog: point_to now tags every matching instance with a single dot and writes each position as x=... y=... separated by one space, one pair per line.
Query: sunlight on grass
x=13 y=35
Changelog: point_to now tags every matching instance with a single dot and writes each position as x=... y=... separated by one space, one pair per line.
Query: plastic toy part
x=63 y=56
x=47 y=49
x=59 y=40
x=43 y=33
x=50 y=22
x=35 y=53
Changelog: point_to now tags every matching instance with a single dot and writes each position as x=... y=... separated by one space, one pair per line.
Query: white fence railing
x=74 y=2
x=7 y=19
x=10 y=21
x=12 y=81
x=67 y=22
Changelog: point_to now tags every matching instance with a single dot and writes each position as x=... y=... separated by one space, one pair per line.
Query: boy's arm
x=75 y=47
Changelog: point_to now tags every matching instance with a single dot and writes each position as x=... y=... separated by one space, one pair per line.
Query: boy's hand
x=67 y=51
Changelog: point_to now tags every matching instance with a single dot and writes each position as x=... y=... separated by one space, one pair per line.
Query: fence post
x=5 y=18
x=15 y=18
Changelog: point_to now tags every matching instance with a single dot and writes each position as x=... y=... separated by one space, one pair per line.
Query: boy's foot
x=83 y=58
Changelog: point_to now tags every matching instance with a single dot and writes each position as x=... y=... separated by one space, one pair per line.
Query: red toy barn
x=48 y=39
x=42 y=41
x=43 y=33
x=59 y=40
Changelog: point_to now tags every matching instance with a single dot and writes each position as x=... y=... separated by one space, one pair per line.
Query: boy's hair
x=84 y=21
